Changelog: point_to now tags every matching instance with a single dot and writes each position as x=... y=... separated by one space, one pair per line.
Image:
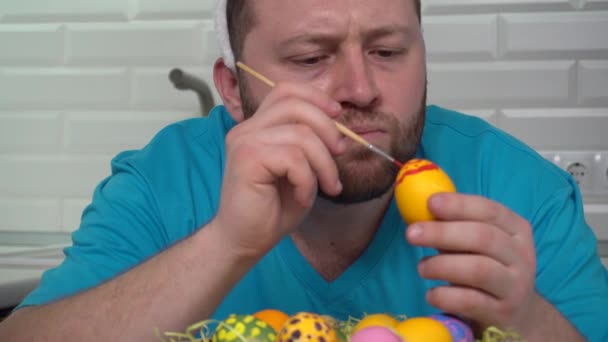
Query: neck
x=333 y=236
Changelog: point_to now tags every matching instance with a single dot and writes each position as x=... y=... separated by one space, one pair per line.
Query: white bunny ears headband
x=221 y=28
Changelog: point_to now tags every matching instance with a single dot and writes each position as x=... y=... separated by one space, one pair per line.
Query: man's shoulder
x=183 y=160
x=181 y=165
x=469 y=136
x=459 y=124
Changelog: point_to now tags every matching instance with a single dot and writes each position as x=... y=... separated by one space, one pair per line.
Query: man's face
x=367 y=55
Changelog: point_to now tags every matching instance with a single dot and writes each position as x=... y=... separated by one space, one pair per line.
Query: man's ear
x=227 y=86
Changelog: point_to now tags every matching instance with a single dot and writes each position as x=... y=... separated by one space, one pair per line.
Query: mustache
x=363 y=117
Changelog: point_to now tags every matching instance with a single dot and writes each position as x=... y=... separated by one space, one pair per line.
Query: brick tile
x=493 y=6
x=52 y=176
x=176 y=9
x=140 y=43
x=31 y=44
x=27 y=132
x=555 y=35
x=469 y=85
x=477 y=37
x=29 y=214
x=593 y=82
x=110 y=133
x=48 y=88
x=64 y=10
x=558 y=128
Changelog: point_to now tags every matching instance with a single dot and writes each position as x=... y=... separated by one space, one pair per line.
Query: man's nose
x=354 y=82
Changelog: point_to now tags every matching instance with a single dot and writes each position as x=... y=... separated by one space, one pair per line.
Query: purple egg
x=375 y=334
x=458 y=329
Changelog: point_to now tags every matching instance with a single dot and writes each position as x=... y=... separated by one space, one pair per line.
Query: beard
x=365 y=176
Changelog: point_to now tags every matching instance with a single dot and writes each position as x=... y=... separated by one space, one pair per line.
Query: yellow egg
x=423 y=329
x=376 y=320
x=306 y=327
x=417 y=180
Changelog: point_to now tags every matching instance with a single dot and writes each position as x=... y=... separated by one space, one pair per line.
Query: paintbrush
x=343 y=129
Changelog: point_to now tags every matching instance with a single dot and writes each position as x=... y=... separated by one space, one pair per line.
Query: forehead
x=287 y=17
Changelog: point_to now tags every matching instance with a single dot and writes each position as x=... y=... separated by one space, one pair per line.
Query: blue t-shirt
x=166 y=191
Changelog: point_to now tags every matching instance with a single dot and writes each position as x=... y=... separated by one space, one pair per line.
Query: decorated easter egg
x=376 y=320
x=306 y=326
x=423 y=329
x=375 y=334
x=458 y=329
x=417 y=180
x=275 y=318
x=243 y=328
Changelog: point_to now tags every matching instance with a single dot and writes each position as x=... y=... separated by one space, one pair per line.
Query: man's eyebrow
x=327 y=38
x=389 y=30
x=313 y=38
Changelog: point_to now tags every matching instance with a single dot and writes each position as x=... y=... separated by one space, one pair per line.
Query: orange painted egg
x=417 y=180
x=274 y=318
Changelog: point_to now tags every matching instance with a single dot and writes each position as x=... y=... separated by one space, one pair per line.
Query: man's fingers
x=461 y=207
x=469 y=270
x=467 y=302
x=314 y=152
x=465 y=237
x=283 y=162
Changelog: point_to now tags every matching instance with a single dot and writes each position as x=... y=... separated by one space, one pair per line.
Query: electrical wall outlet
x=580 y=171
x=588 y=168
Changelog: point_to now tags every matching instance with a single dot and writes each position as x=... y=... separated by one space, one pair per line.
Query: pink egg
x=375 y=334
x=458 y=329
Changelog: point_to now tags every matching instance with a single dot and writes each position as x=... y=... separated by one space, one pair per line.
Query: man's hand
x=487 y=255
x=276 y=162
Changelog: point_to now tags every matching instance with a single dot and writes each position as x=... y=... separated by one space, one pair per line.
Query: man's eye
x=310 y=60
x=387 y=53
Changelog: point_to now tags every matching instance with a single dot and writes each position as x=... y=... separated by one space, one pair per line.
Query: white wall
x=83 y=80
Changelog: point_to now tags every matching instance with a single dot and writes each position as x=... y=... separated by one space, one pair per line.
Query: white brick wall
x=81 y=81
